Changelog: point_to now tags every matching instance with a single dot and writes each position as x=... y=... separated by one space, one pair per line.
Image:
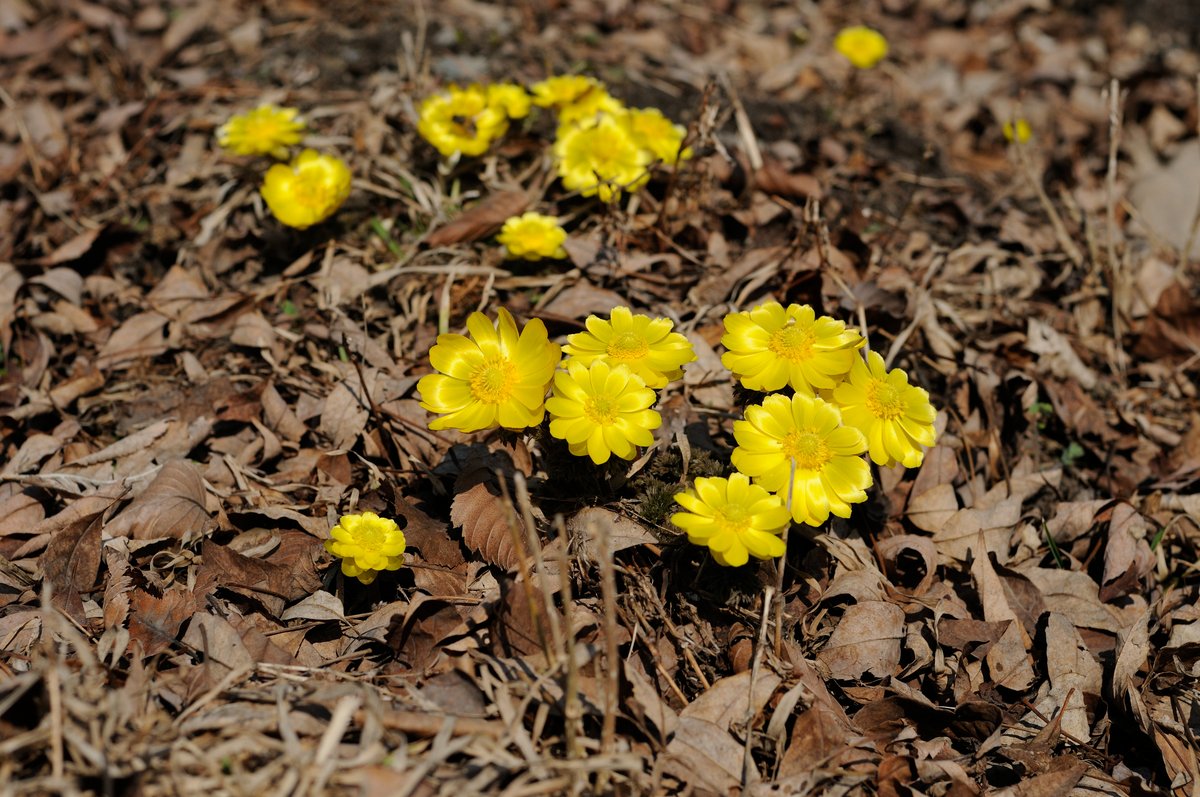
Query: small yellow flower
x=771 y=346
x=510 y=98
x=657 y=134
x=734 y=518
x=532 y=236
x=495 y=377
x=896 y=417
x=367 y=544
x=862 y=46
x=1019 y=130
x=797 y=448
x=267 y=130
x=601 y=410
x=600 y=157
x=647 y=346
x=307 y=191
x=462 y=121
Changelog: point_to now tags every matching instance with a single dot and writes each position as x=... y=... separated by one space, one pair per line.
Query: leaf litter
x=191 y=395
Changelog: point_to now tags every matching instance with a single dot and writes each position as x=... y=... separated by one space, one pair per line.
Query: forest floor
x=192 y=394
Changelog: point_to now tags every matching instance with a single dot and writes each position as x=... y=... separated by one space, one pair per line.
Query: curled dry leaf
x=172 y=507
x=488 y=524
x=481 y=219
x=866 y=640
x=911 y=561
x=592 y=524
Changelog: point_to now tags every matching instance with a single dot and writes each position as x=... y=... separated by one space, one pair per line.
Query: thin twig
x=781 y=565
x=612 y=660
x=572 y=709
x=747 y=757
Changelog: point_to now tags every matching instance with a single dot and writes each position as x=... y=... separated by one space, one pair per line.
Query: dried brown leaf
x=481 y=219
x=71 y=560
x=591 y=525
x=487 y=524
x=139 y=338
x=866 y=640
x=172 y=506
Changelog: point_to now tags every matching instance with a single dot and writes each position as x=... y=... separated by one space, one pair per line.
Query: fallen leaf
x=592 y=524
x=172 y=506
x=866 y=640
x=488 y=524
x=481 y=219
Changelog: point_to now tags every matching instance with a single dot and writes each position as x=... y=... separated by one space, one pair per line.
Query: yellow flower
x=601 y=410
x=509 y=98
x=462 y=121
x=896 y=417
x=307 y=191
x=647 y=346
x=532 y=236
x=1020 y=130
x=267 y=130
x=657 y=134
x=600 y=157
x=797 y=448
x=493 y=378
x=862 y=46
x=770 y=347
x=367 y=544
x=734 y=518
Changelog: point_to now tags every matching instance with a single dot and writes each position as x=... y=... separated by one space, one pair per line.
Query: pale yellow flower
x=601 y=410
x=798 y=449
x=367 y=544
x=862 y=46
x=733 y=518
x=896 y=417
x=496 y=377
x=266 y=130
x=308 y=190
x=646 y=345
x=532 y=236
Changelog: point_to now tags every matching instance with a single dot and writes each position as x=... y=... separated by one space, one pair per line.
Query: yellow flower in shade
x=462 y=121
x=734 y=518
x=657 y=134
x=509 y=98
x=562 y=90
x=307 y=191
x=896 y=417
x=494 y=377
x=646 y=345
x=862 y=46
x=1018 y=131
x=532 y=236
x=601 y=410
x=600 y=157
x=367 y=544
x=771 y=346
x=267 y=130
x=797 y=448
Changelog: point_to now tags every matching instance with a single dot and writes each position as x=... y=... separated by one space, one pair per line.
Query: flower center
x=792 y=343
x=600 y=410
x=311 y=190
x=807 y=448
x=492 y=382
x=884 y=400
x=627 y=346
x=369 y=536
x=732 y=519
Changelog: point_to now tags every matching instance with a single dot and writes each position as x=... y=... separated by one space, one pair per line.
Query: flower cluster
x=805 y=450
x=302 y=193
x=601 y=394
x=465 y=121
x=601 y=147
x=367 y=544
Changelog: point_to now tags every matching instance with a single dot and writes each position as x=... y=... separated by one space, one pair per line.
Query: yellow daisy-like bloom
x=462 y=121
x=896 y=417
x=771 y=346
x=1018 y=131
x=646 y=345
x=367 y=544
x=734 y=518
x=307 y=191
x=601 y=410
x=862 y=46
x=797 y=447
x=267 y=130
x=657 y=134
x=495 y=377
x=600 y=157
x=532 y=236
x=510 y=98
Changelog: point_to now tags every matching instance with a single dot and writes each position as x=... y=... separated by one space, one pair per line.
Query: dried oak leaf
x=172 y=506
x=71 y=560
x=866 y=640
x=481 y=219
x=154 y=622
x=487 y=524
x=289 y=575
